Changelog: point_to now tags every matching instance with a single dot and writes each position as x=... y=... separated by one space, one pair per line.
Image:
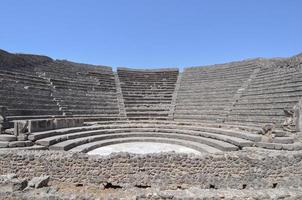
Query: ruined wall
x=244 y=169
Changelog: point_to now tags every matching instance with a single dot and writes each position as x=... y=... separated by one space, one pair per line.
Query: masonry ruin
x=243 y=117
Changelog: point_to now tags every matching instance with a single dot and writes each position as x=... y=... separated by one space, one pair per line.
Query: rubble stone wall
x=244 y=169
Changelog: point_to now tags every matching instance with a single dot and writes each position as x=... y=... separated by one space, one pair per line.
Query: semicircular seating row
x=201 y=138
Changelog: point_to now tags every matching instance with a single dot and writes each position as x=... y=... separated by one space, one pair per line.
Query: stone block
x=38 y=182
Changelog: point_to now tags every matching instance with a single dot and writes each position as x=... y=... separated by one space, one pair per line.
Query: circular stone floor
x=142 y=148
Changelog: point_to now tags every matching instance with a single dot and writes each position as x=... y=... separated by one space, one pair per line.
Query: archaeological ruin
x=231 y=127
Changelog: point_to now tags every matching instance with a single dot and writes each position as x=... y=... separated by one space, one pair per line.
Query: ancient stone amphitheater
x=242 y=119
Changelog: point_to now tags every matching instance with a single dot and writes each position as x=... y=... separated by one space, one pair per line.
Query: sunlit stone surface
x=142 y=148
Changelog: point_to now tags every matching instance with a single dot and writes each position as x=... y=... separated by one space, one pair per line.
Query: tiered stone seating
x=26 y=94
x=212 y=109
x=199 y=137
x=82 y=89
x=22 y=92
x=147 y=93
x=277 y=86
x=206 y=93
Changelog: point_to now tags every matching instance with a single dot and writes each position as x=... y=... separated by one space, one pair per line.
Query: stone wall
x=36 y=125
x=244 y=169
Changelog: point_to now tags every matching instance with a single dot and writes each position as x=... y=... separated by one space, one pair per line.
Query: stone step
x=199 y=97
x=64 y=131
x=20 y=83
x=218 y=74
x=208 y=88
x=147 y=117
x=246 y=125
x=21 y=105
x=146 y=92
x=92 y=97
x=93 y=111
x=108 y=102
x=35 y=80
x=183 y=126
x=147 y=95
x=284 y=140
x=262 y=77
x=200 y=108
x=210 y=104
x=200 y=112
x=146 y=109
x=214 y=78
x=147 y=98
x=33 y=147
x=279 y=85
x=276 y=78
x=267 y=106
x=272 y=72
x=27 y=100
x=230 y=81
x=7 y=138
x=80 y=93
x=148 y=85
x=272 y=93
x=86 y=90
x=107 y=83
x=105 y=108
x=14 y=144
x=203 y=148
x=198 y=117
x=278 y=146
x=28 y=111
x=203 y=101
x=255 y=120
x=16 y=85
x=220 y=69
x=209 y=93
x=11 y=118
x=259 y=113
x=274 y=100
x=71 y=143
x=151 y=90
x=204 y=95
x=21 y=74
x=81 y=87
x=13 y=91
x=146 y=102
x=83 y=83
x=148 y=80
x=135 y=82
x=147 y=114
x=147 y=106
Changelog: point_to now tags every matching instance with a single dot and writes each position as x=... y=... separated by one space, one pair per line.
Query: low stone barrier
x=35 y=125
x=238 y=170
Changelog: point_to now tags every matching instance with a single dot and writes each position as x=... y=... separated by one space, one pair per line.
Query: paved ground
x=142 y=148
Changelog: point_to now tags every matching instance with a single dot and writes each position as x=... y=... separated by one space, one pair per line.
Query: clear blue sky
x=152 y=33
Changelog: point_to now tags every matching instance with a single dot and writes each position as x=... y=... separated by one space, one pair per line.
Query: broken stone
x=38 y=182
x=10 y=183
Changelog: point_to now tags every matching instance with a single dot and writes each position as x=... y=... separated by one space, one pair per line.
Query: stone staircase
x=147 y=94
x=174 y=97
x=120 y=99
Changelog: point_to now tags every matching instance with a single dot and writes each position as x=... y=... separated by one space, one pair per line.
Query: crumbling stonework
x=3 y=121
x=244 y=169
x=293 y=122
